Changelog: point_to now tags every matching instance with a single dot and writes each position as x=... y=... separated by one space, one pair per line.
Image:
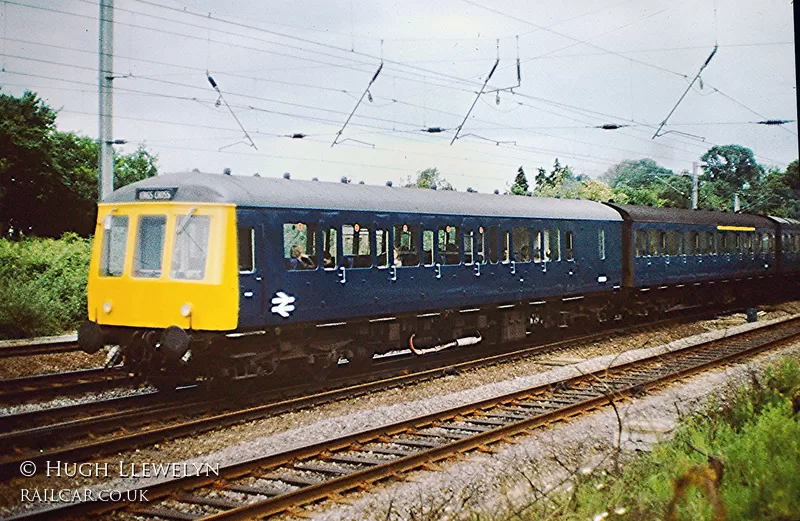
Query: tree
x=734 y=164
x=520 y=186
x=558 y=176
x=139 y=165
x=646 y=183
x=48 y=179
x=428 y=178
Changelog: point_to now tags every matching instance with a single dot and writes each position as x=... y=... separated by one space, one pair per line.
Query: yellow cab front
x=161 y=264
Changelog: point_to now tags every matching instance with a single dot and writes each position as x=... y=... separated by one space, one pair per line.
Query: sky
x=288 y=68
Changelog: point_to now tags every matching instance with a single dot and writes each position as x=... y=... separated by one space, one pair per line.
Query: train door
x=250 y=239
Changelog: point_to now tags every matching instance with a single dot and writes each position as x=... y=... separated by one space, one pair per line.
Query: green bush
x=754 y=433
x=42 y=285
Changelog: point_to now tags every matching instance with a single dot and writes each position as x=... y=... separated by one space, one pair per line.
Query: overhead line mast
x=105 y=101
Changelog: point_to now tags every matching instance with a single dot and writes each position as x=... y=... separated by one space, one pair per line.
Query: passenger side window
x=690 y=238
x=247 y=249
x=300 y=246
x=555 y=244
x=546 y=252
x=355 y=246
x=493 y=256
x=448 y=245
x=329 y=253
x=469 y=237
x=505 y=247
x=115 y=243
x=427 y=247
x=568 y=246
x=601 y=243
x=673 y=243
x=537 y=246
x=709 y=248
x=522 y=244
x=481 y=247
x=641 y=243
x=406 y=238
x=382 y=248
x=653 y=238
x=149 y=254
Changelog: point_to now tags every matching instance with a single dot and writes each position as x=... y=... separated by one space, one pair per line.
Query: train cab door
x=250 y=239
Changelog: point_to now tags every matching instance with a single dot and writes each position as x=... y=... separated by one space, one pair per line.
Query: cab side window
x=300 y=246
x=247 y=249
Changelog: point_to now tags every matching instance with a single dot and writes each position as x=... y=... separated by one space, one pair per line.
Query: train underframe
x=173 y=356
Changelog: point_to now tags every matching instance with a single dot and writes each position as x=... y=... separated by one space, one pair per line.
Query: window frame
x=135 y=270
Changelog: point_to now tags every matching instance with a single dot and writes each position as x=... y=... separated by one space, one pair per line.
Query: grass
x=739 y=459
x=42 y=285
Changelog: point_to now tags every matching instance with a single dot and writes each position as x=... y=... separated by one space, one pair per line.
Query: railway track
x=84 y=430
x=38 y=346
x=34 y=388
x=285 y=481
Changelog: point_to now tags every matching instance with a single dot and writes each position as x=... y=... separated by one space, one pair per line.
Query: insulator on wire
x=774 y=121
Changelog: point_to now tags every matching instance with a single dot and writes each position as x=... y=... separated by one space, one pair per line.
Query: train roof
x=651 y=214
x=264 y=192
x=787 y=223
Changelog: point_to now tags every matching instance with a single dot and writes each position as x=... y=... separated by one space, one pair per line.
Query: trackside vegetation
x=736 y=460
x=42 y=285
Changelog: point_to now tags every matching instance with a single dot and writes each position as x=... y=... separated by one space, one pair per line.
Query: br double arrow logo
x=283 y=304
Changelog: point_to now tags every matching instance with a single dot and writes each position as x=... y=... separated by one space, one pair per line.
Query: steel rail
x=38 y=346
x=328 y=468
x=152 y=418
x=100 y=430
x=29 y=388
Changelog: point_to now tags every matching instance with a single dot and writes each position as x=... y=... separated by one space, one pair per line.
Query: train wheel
x=359 y=359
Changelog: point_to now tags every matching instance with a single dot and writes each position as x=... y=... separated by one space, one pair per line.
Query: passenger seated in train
x=299 y=260
x=397 y=261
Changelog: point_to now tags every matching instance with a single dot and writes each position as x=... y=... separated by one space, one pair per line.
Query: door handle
x=477 y=270
x=393 y=273
x=343 y=275
x=438 y=270
x=513 y=267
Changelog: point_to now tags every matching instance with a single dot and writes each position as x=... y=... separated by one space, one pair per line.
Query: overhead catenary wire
x=527 y=105
x=705 y=64
x=366 y=91
x=222 y=98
